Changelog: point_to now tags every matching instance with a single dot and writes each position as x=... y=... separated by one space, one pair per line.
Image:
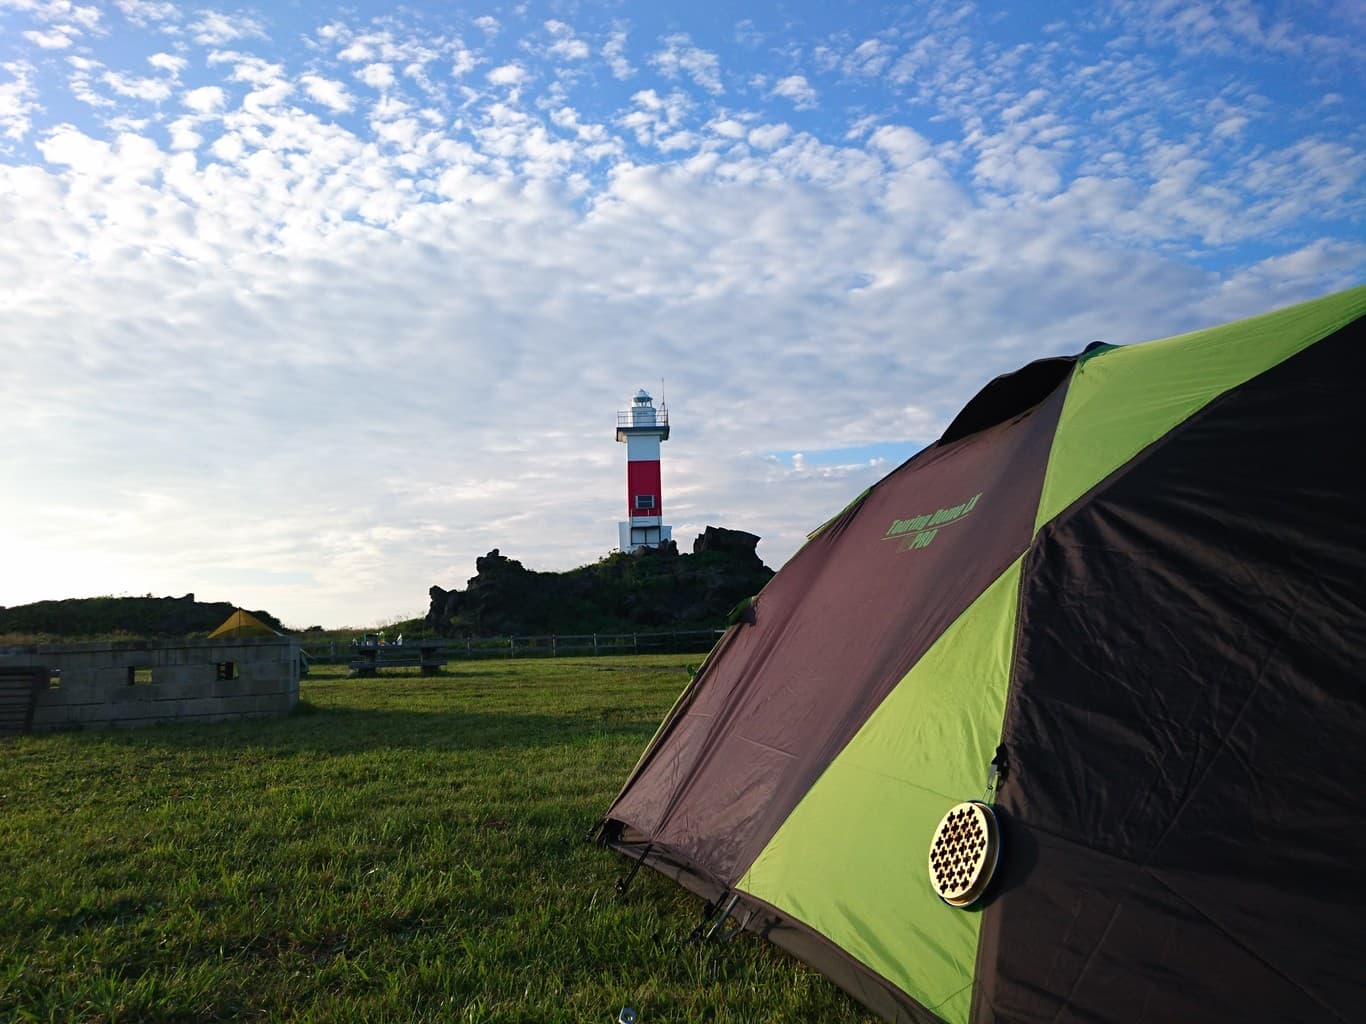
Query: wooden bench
x=18 y=686
x=373 y=659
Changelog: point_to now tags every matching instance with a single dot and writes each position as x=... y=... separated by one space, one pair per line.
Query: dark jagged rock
x=653 y=588
x=734 y=542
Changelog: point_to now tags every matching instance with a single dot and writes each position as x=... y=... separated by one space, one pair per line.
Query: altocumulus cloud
x=310 y=325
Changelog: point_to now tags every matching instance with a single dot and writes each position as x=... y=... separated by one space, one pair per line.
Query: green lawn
x=401 y=849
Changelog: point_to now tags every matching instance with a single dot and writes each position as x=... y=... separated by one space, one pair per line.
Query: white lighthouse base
x=644 y=532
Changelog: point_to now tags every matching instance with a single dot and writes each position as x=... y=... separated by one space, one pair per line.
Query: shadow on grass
x=314 y=729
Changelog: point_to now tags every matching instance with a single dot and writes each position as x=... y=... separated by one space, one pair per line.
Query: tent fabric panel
x=882 y=998
x=1123 y=399
x=242 y=623
x=681 y=702
x=766 y=921
x=850 y=861
x=1184 y=821
x=1009 y=395
x=833 y=633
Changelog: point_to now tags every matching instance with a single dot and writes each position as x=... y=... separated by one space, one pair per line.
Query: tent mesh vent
x=963 y=853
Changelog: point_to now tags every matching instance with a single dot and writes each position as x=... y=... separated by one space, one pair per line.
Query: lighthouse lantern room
x=643 y=427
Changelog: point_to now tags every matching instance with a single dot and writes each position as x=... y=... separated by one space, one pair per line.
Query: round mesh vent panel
x=963 y=853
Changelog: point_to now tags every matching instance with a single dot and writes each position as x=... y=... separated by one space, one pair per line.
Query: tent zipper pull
x=996 y=771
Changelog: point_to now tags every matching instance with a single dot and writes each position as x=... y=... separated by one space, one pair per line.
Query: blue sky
x=306 y=307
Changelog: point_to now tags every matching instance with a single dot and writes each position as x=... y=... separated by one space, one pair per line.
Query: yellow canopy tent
x=242 y=623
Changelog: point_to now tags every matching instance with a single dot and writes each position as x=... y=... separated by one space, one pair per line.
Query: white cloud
x=507 y=74
x=1230 y=127
x=1320 y=266
x=1019 y=167
x=147 y=12
x=17 y=99
x=387 y=46
x=154 y=90
x=797 y=89
x=728 y=127
x=680 y=57
x=228 y=148
x=248 y=67
x=769 y=136
x=81 y=82
x=68 y=20
x=169 y=63
x=183 y=134
x=208 y=99
x=1026 y=104
x=614 y=52
x=747 y=34
x=488 y=24
x=463 y=61
x=213 y=28
x=800 y=466
x=329 y=92
x=1200 y=27
x=597 y=141
x=53 y=39
x=570 y=49
x=66 y=146
x=358 y=52
x=566 y=45
x=656 y=119
x=869 y=59
x=377 y=76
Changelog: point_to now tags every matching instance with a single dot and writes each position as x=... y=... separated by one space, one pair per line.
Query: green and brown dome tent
x=1134 y=580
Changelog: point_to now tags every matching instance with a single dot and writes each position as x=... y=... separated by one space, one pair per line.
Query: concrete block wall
x=143 y=682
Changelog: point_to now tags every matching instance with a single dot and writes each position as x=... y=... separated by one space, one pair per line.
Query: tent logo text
x=919 y=531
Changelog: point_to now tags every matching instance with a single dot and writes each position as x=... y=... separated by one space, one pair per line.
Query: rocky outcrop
x=737 y=543
x=650 y=588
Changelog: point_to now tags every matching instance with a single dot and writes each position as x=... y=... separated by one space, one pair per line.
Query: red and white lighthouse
x=643 y=427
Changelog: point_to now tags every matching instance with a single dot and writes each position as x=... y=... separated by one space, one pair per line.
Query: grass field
x=400 y=849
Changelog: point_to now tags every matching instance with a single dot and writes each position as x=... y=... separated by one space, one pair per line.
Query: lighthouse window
x=645 y=501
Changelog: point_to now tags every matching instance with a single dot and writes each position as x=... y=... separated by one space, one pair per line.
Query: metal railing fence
x=554 y=645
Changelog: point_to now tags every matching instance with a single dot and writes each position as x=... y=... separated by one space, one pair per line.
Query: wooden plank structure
x=373 y=657
x=18 y=687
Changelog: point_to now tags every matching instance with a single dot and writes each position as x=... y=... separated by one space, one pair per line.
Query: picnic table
x=371 y=657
